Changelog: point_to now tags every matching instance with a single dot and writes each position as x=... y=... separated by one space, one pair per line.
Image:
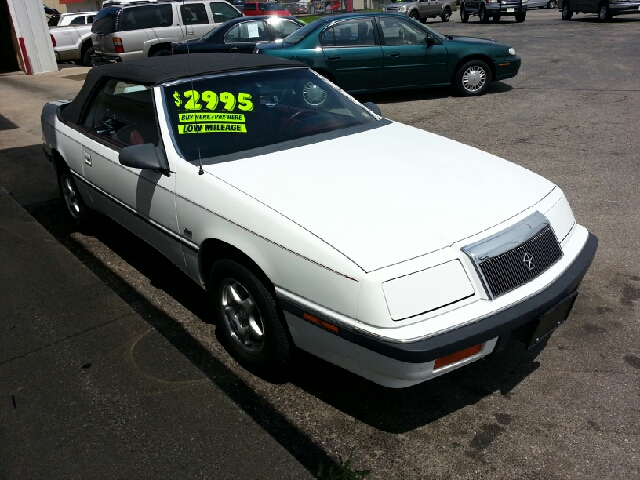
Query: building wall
x=32 y=36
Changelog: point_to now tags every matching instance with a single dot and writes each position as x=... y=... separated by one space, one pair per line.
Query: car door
x=408 y=59
x=118 y=115
x=352 y=53
x=195 y=19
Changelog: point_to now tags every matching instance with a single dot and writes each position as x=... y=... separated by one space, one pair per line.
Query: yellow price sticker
x=212 y=128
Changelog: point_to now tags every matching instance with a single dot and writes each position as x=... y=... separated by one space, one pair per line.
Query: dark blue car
x=240 y=35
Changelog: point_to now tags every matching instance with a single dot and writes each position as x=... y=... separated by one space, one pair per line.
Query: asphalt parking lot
x=568 y=411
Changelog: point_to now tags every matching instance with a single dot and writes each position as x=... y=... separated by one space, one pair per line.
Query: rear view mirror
x=144 y=156
x=430 y=41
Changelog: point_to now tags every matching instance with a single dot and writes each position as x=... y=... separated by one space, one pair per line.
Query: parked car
x=383 y=51
x=264 y=8
x=131 y=31
x=534 y=4
x=423 y=9
x=296 y=8
x=604 y=8
x=288 y=201
x=72 y=43
x=240 y=35
x=486 y=9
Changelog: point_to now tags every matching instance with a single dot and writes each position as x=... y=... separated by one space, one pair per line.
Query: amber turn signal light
x=457 y=356
x=320 y=323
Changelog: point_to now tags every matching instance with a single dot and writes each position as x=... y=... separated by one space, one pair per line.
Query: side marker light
x=321 y=323
x=457 y=356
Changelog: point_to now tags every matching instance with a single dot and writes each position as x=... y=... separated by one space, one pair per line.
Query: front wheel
x=566 y=11
x=484 y=18
x=472 y=78
x=446 y=15
x=71 y=196
x=604 y=12
x=249 y=320
x=552 y=4
x=520 y=17
x=414 y=15
x=464 y=16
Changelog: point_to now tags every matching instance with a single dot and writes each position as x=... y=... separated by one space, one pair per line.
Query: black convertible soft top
x=163 y=69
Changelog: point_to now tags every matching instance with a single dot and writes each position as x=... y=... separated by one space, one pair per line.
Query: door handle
x=335 y=57
x=393 y=54
x=87 y=158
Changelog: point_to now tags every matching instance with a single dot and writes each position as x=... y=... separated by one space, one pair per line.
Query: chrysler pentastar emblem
x=527 y=259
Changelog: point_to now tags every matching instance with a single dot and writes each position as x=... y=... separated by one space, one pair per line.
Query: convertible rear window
x=226 y=114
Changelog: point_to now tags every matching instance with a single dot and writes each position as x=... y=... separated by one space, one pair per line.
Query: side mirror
x=373 y=107
x=430 y=42
x=144 y=156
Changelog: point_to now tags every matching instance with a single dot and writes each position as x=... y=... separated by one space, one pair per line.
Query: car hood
x=472 y=40
x=388 y=194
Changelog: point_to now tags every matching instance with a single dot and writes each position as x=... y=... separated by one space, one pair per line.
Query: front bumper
x=507 y=67
x=397 y=364
x=505 y=10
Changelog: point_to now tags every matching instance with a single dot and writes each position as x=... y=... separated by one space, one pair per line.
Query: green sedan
x=381 y=51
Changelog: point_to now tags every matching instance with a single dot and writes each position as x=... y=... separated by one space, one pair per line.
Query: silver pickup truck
x=72 y=42
x=71 y=37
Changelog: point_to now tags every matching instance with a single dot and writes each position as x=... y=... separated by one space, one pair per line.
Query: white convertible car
x=310 y=224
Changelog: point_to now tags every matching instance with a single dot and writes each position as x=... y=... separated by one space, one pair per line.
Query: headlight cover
x=512 y=51
x=427 y=290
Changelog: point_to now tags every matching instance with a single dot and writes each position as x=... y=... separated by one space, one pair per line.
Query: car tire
x=464 y=16
x=482 y=15
x=496 y=18
x=566 y=11
x=604 y=12
x=446 y=14
x=86 y=57
x=414 y=15
x=521 y=16
x=249 y=321
x=472 y=78
x=552 y=4
x=76 y=208
x=161 y=53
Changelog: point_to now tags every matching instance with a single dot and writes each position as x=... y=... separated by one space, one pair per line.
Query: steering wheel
x=293 y=123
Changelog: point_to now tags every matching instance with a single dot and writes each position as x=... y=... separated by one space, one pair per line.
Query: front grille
x=507 y=271
x=390 y=9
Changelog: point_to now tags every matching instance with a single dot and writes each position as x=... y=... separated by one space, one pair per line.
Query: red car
x=264 y=8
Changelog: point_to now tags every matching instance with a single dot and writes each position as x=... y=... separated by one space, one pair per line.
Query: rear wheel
x=249 y=320
x=86 y=56
x=566 y=11
x=604 y=12
x=161 y=53
x=484 y=18
x=520 y=16
x=446 y=15
x=464 y=16
x=472 y=78
x=552 y=4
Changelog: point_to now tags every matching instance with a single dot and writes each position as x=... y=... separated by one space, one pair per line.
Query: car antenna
x=200 y=169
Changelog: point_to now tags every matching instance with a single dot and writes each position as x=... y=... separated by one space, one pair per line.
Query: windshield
x=211 y=32
x=267 y=7
x=304 y=32
x=105 y=21
x=234 y=113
